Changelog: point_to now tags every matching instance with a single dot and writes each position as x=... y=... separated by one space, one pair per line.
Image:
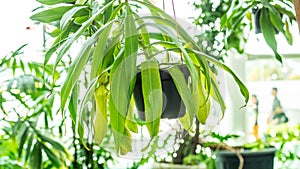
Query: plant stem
x=180 y=152
x=195 y=138
x=75 y=161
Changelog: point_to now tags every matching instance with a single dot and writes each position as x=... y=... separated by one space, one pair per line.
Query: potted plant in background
x=285 y=138
x=116 y=37
x=270 y=16
x=250 y=155
x=280 y=141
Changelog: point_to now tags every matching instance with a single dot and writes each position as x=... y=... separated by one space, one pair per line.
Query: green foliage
x=224 y=23
x=201 y=157
x=27 y=101
x=53 y=2
x=274 y=16
x=150 y=73
x=116 y=37
x=29 y=136
x=281 y=136
x=212 y=36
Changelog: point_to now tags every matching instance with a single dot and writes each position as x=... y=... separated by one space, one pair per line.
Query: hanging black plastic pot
x=262 y=159
x=173 y=106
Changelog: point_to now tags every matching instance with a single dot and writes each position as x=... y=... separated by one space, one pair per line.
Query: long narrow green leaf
x=100 y=120
x=239 y=16
x=118 y=115
x=110 y=56
x=183 y=90
x=52 y=2
x=74 y=73
x=288 y=34
x=216 y=94
x=152 y=94
x=73 y=109
x=77 y=66
x=80 y=1
x=269 y=34
x=289 y=12
x=36 y=156
x=145 y=37
x=276 y=19
x=131 y=123
x=116 y=11
x=204 y=101
x=186 y=122
x=22 y=140
x=88 y=95
x=66 y=46
x=52 y=157
x=127 y=142
x=99 y=52
x=187 y=58
x=60 y=40
x=28 y=148
x=73 y=103
x=68 y=16
x=58 y=146
x=243 y=89
x=51 y=15
x=123 y=72
x=131 y=41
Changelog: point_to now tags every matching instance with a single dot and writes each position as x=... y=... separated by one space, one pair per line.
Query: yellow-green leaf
x=99 y=52
x=100 y=119
x=152 y=94
x=183 y=90
x=204 y=104
x=131 y=123
x=122 y=74
x=288 y=35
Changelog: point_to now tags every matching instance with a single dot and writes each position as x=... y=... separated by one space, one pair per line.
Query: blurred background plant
x=227 y=24
x=212 y=38
x=286 y=139
x=33 y=134
x=28 y=121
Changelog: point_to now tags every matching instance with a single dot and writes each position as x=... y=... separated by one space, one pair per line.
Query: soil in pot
x=173 y=106
x=261 y=159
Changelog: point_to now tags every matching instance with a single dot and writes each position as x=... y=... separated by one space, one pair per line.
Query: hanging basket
x=173 y=106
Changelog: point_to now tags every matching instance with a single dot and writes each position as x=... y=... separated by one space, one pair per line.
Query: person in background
x=279 y=116
x=276 y=101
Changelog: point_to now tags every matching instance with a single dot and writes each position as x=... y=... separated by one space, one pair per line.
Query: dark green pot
x=262 y=159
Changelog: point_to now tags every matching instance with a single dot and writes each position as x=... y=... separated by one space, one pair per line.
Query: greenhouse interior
x=142 y=84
